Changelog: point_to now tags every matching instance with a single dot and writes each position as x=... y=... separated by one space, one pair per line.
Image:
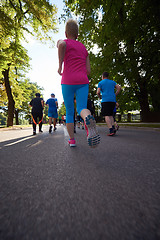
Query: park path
x=50 y=191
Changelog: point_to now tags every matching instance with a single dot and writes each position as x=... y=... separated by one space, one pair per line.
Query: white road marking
x=65 y=132
x=66 y=136
x=10 y=144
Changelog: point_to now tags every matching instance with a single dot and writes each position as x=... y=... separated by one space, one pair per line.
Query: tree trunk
x=155 y=97
x=119 y=117
x=11 y=102
x=129 y=118
x=143 y=100
x=16 y=116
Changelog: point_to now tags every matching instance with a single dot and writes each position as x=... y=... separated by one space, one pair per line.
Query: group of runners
x=74 y=67
x=37 y=105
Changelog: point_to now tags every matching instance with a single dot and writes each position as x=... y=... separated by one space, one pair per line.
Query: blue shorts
x=53 y=114
x=81 y=92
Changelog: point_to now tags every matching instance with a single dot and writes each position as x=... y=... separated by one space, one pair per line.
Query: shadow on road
x=17 y=140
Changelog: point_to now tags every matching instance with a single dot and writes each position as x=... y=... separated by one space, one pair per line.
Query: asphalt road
x=49 y=191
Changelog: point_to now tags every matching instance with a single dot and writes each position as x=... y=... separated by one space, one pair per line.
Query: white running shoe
x=93 y=137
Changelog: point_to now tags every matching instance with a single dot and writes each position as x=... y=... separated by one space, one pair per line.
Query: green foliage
x=3 y=119
x=35 y=17
x=127 y=35
x=3 y=96
x=127 y=101
x=23 y=92
x=62 y=110
x=45 y=115
x=18 y=17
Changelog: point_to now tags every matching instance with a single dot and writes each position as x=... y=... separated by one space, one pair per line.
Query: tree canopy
x=17 y=18
x=127 y=36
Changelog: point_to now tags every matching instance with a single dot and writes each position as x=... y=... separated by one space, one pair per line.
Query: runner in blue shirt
x=52 y=111
x=106 y=87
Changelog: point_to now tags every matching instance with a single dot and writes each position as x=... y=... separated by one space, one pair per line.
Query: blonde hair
x=71 y=28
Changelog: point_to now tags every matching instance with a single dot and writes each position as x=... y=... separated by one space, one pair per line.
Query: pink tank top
x=75 y=72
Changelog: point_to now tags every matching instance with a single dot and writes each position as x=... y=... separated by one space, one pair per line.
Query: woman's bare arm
x=61 y=45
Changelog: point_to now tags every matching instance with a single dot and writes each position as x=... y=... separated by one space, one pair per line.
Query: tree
x=62 y=110
x=17 y=63
x=18 y=17
x=45 y=114
x=127 y=34
x=23 y=92
x=2 y=119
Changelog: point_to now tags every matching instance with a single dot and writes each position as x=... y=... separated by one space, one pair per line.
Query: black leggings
x=37 y=116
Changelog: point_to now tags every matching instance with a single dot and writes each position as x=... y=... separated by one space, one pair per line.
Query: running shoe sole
x=93 y=137
x=111 y=134
x=72 y=145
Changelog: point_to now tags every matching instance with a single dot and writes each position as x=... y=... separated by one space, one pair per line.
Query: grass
x=16 y=126
x=127 y=124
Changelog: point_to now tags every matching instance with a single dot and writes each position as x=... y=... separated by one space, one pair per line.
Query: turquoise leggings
x=81 y=92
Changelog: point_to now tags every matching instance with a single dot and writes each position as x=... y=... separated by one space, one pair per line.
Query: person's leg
x=112 y=120
x=55 y=119
x=81 y=100
x=40 y=121
x=84 y=113
x=109 y=121
x=54 y=123
x=68 y=96
x=34 y=128
x=107 y=112
x=112 y=130
x=50 y=123
x=34 y=119
x=40 y=127
x=93 y=137
x=70 y=129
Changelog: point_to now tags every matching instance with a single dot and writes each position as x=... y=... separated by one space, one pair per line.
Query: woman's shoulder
x=74 y=42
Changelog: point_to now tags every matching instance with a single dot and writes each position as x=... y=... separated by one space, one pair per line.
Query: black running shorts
x=107 y=108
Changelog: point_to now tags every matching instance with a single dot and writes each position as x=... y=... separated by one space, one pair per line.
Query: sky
x=44 y=61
